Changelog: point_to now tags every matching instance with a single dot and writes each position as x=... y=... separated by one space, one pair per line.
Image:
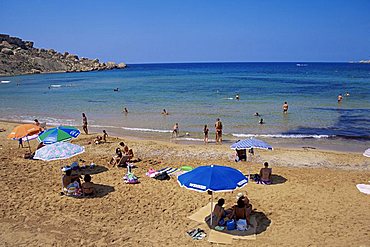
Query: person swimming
x=257 y=114
x=237 y=97
x=340 y=97
x=164 y=112
x=261 y=121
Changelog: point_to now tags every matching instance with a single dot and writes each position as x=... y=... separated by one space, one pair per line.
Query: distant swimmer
x=261 y=121
x=257 y=114
x=116 y=89
x=340 y=97
x=285 y=107
x=125 y=110
x=347 y=94
x=237 y=97
x=164 y=112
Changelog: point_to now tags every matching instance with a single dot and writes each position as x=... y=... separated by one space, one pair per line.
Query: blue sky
x=140 y=31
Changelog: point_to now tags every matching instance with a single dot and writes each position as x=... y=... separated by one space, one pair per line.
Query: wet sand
x=314 y=200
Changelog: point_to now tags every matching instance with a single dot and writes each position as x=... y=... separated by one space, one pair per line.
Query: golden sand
x=315 y=201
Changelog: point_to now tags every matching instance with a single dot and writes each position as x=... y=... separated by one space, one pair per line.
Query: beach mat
x=201 y=214
x=364 y=188
x=219 y=237
x=169 y=170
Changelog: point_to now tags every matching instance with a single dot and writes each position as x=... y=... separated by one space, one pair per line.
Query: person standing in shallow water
x=205 y=131
x=218 y=127
x=340 y=97
x=285 y=107
x=84 y=124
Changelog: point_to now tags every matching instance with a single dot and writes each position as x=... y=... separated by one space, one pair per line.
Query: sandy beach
x=313 y=202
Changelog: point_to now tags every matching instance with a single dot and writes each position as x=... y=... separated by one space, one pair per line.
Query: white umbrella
x=367 y=153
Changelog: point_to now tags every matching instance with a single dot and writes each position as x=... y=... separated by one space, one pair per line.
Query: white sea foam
x=55 y=85
x=147 y=130
x=104 y=126
x=5 y=82
x=291 y=136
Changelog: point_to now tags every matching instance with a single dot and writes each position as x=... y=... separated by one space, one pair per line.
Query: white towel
x=364 y=188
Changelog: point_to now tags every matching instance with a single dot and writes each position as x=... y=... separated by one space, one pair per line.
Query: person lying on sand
x=265 y=174
x=2 y=129
x=88 y=188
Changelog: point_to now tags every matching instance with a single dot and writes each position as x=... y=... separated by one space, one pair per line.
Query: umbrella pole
x=211 y=209
x=29 y=146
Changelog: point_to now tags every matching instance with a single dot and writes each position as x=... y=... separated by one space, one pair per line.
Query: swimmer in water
x=347 y=94
x=125 y=110
x=237 y=96
x=257 y=114
x=285 y=107
x=261 y=121
x=340 y=97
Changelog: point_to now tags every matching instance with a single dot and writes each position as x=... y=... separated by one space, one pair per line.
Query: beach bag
x=241 y=225
x=162 y=176
x=230 y=225
x=130 y=178
x=73 y=189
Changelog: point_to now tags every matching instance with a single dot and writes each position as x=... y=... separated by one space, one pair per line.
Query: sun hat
x=240 y=194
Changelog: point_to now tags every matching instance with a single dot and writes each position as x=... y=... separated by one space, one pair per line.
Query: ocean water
x=196 y=94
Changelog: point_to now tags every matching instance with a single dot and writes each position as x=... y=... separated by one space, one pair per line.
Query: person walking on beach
x=84 y=124
x=205 y=131
x=285 y=107
x=175 y=130
x=218 y=127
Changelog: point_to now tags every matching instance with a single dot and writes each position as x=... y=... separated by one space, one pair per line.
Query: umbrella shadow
x=277 y=179
x=101 y=191
x=91 y=171
x=263 y=222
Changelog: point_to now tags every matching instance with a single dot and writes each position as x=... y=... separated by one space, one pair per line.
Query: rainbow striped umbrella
x=58 y=134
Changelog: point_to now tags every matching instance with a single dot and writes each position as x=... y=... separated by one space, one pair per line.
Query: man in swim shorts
x=218 y=127
x=285 y=107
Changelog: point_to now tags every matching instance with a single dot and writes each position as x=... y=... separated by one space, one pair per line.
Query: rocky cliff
x=20 y=57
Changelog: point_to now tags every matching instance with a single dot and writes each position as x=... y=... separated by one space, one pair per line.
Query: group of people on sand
x=240 y=211
x=122 y=155
x=72 y=184
x=101 y=139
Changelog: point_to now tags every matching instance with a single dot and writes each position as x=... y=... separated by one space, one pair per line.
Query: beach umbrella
x=250 y=143
x=58 y=134
x=367 y=153
x=24 y=131
x=213 y=178
x=58 y=151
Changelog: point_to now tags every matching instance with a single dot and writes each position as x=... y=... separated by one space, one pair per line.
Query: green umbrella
x=58 y=134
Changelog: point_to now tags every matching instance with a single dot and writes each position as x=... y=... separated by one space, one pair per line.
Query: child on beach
x=88 y=188
x=175 y=130
x=105 y=135
x=84 y=124
x=205 y=131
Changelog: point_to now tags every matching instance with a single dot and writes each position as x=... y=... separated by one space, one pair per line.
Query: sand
x=314 y=202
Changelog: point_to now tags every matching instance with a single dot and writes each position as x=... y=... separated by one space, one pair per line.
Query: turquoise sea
x=196 y=94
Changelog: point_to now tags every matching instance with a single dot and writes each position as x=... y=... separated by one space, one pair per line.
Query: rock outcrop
x=20 y=57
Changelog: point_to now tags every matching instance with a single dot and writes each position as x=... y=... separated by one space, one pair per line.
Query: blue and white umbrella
x=250 y=143
x=213 y=178
x=367 y=153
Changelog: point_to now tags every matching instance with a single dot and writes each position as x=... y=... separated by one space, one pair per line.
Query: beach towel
x=169 y=170
x=364 y=188
x=197 y=234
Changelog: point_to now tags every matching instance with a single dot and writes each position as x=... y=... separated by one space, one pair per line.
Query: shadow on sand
x=91 y=171
x=263 y=222
x=277 y=179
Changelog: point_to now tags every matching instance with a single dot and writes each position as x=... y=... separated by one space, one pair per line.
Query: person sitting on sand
x=265 y=174
x=105 y=135
x=98 y=140
x=116 y=158
x=248 y=206
x=68 y=178
x=88 y=188
x=220 y=213
x=164 y=112
x=239 y=211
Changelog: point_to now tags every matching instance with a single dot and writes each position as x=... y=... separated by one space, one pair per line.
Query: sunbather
x=265 y=174
x=68 y=178
x=116 y=158
x=248 y=206
x=88 y=188
x=240 y=211
x=98 y=140
x=220 y=213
